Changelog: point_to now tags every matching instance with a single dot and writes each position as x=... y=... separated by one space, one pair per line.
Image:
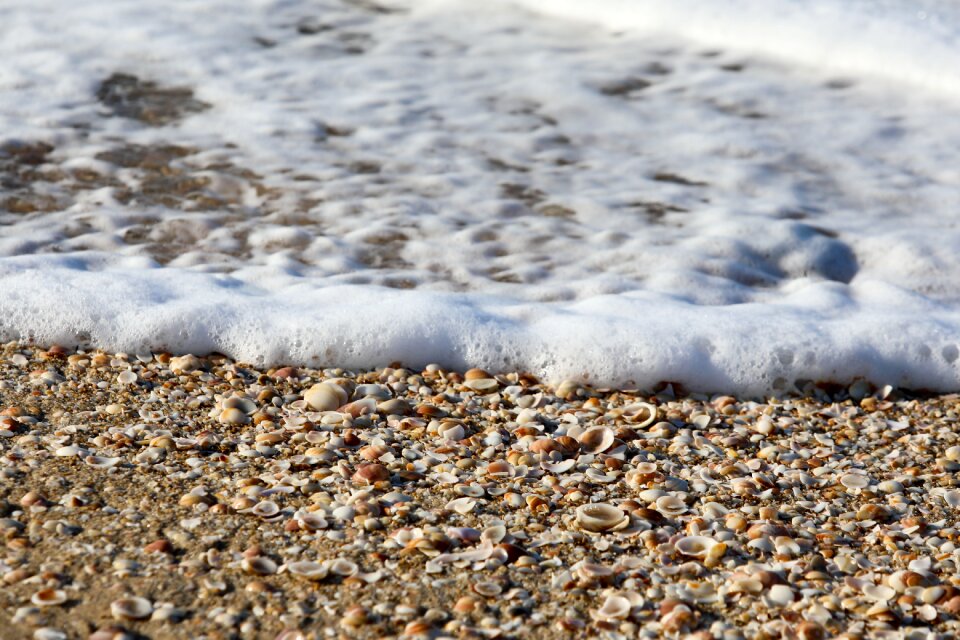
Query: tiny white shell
x=131 y=609
x=48 y=597
x=308 y=569
x=614 y=608
x=598 y=517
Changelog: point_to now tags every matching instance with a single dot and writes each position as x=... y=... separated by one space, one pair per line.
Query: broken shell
x=462 y=506
x=131 y=608
x=614 y=608
x=325 y=396
x=48 y=597
x=695 y=546
x=599 y=517
x=308 y=569
x=780 y=595
x=880 y=593
x=640 y=414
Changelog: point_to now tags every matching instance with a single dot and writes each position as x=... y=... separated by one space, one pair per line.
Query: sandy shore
x=198 y=497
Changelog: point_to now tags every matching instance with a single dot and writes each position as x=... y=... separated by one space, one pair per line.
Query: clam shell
x=488 y=588
x=325 y=396
x=48 y=597
x=879 y=593
x=614 y=608
x=854 y=481
x=127 y=377
x=131 y=608
x=241 y=403
x=462 y=506
x=308 y=569
x=671 y=505
x=599 y=517
x=101 y=462
x=344 y=567
x=312 y=521
x=260 y=565
x=695 y=546
x=596 y=439
x=265 y=509
x=641 y=414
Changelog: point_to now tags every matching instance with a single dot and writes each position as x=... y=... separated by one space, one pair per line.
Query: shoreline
x=200 y=497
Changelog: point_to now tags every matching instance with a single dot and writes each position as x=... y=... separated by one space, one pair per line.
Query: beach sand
x=172 y=497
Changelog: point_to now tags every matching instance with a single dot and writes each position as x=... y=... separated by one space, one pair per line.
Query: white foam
x=465 y=184
x=905 y=41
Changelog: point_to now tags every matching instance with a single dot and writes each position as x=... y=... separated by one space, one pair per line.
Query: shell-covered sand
x=172 y=497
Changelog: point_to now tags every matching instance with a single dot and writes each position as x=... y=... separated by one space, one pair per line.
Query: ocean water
x=738 y=196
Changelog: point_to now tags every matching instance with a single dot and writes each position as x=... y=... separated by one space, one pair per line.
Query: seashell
x=308 y=569
x=464 y=534
x=558 y=467
x=359 y=408
x=494 y=533
x=241 y=403
x=952 y=498
x=131 y=609
x=640 y=414
x=184 y=364
x=101 y=462
x=49 y=633
x=780 y=595
x=233 y=416
x=482 y=385
x=127 y=377
x=69 y=451
x=312 y=521
x=599 y=517
x=501 y=468
x=373 y=452
x=260 y=565
x=344 y=567
x=854 y=481
x=695 y=546
x=463 y=505
x=48 y=597
x=325 y=396
x=890 y=486
x=265 y=509
x=596 y=439
x=614 y=608
x=880 y=593
x=455 y=433
x=671 y=505
x=488 y=588
x=371 y=473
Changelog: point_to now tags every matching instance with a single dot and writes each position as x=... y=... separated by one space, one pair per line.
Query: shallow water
x=628 y=197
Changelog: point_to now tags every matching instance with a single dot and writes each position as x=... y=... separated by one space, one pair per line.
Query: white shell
x=101 y=462
x=671 y=505
x=614 y=608
x=131 y=608
x=325 y=396
x=599 y=516
x=241 y=403
x=780 y=595
x=48 y=597
x=312 y=521
x=854 y=481
x=558 y=467
x=695 y=546
x=952 y=498
x=880 y=593
x=308 y=569
x=462 y=506
x=265 y=509
x=127 y=377
x=641 y=414
x=344 y=567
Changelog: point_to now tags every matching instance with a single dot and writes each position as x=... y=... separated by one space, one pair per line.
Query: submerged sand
x=170 y=497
